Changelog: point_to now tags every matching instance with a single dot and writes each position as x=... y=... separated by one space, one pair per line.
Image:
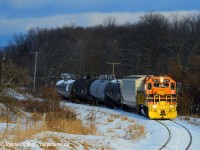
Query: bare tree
x=14 y=76
x=109 y=22
x=153 y=30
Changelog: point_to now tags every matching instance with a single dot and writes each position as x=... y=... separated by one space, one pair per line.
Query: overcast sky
x=18 y=16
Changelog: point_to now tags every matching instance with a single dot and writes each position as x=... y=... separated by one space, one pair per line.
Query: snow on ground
x=193 y=125
x=113 y=132
x=19 y=96
x=118 y=128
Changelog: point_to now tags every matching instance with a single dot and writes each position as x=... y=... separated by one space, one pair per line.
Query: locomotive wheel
x=139 y=109
x=143 y=110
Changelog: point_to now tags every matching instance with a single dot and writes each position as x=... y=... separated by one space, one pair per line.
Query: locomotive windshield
x=161 y=85
x=164 y=85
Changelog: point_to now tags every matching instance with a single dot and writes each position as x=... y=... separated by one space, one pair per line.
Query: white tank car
x=63 y=87
x=97 y=89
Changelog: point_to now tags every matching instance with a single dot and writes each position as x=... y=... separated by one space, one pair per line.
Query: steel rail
x=169 y=132
x=190 y=142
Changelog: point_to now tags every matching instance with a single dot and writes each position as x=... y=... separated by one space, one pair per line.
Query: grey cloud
x=21 y=25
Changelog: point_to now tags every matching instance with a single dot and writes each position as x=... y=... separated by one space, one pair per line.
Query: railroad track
x=179 y=136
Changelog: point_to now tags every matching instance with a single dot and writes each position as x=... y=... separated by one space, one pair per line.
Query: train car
x=81 y=89
x=129 y=87
x=97 y=89
x=60 y=87
x=112 y=91
x=154 y=96
x=63 y=87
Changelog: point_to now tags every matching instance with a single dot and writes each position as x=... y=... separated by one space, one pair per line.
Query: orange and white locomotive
x=154 y=96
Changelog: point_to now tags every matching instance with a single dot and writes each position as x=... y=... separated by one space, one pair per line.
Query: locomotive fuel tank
x=112 y=91
x=81 y=88
x=97 y=89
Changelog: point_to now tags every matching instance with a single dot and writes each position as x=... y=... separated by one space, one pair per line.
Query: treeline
x=153 y=45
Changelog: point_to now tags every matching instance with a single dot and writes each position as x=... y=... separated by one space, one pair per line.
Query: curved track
x=179 y=136
x=190 y=141
x=169 y=132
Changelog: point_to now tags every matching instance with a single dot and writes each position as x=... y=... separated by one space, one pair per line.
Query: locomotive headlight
x=171 y=106
x=161 y=79
x=154 y=108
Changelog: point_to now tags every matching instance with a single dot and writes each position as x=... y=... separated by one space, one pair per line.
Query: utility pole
x=36 y=55
x=113 y=69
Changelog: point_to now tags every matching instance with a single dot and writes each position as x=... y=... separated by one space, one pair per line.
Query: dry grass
x=114 y=116
x=110 y=120
x=21 y=135
x=55 y=121
x=56 y=139
x=131 y=120
x=85 y=145
x=9 y=110
x=4 y=119
x=36 y=117
x=124 y=118
x=45 y=147
x=71 y=127
x=136 y=131
x=142 y=130
x=91 y=118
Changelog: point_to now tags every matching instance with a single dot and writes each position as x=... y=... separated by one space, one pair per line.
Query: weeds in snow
x=135 y=131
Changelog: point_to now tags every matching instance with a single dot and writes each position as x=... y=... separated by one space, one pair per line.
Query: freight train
x=153 y=96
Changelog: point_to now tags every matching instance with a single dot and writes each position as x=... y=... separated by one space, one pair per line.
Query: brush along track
x=179 y=136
